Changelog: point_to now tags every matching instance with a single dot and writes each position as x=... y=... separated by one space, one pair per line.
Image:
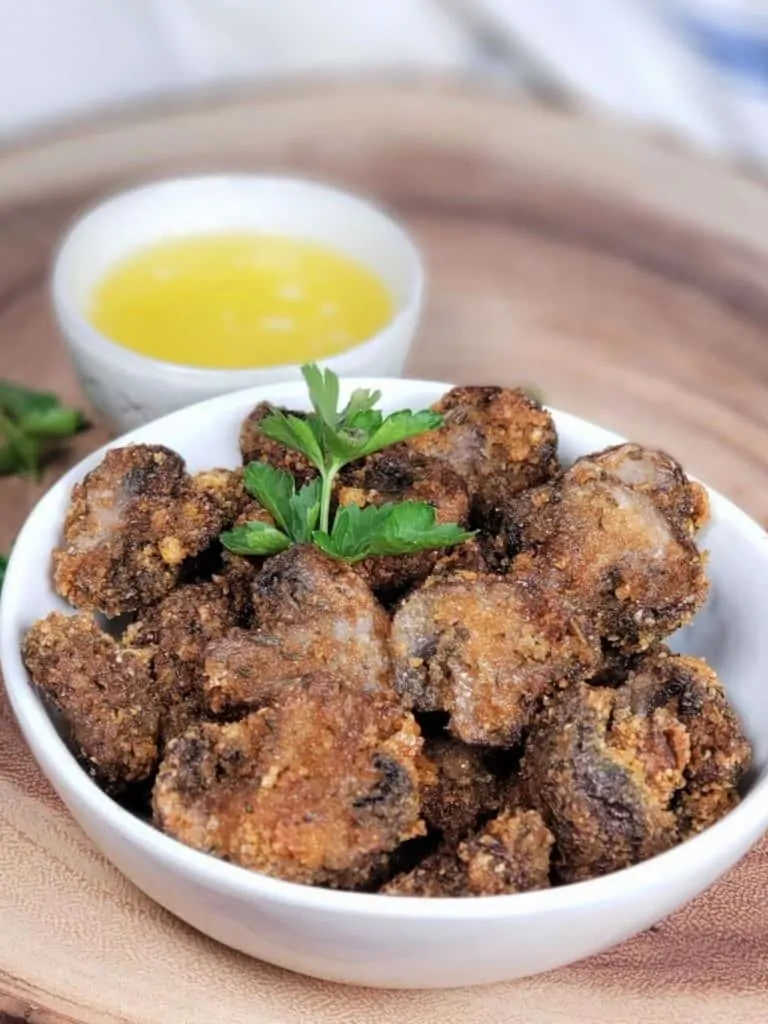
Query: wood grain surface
x=627 y=281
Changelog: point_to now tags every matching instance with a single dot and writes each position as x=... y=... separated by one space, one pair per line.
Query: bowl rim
x=740 y=828
x=71 y=318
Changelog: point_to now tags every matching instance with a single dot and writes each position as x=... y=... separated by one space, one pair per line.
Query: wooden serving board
x=628 y=282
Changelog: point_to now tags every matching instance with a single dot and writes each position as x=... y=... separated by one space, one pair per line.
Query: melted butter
x=235 y=301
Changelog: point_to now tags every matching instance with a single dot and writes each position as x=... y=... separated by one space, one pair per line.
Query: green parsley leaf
x=344 y=445
x=304 y=512
x=273 y=487
x=411 y=526
x=59 y=421
x=365 y=422
x=16 y=400
x=30 y=423
x=296 y=514
x=361 y=401
x=399 y=426
x=323 y=387
x=9 y=459
x=390 y=529
x=368 y=431
x=3 y=567
x=295 y=433
x=255 y=539
x=352 y=529
x=20 y=454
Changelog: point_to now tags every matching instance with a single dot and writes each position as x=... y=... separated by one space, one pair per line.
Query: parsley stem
x=329 y=475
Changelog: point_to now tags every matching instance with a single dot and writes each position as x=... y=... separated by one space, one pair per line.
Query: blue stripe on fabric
x=736 y=52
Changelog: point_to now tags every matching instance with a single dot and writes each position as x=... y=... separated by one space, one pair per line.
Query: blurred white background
x=696 y=69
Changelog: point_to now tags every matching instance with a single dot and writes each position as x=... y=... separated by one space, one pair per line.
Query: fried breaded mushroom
x=486 y=651
x=462 y=788
x=609 y=554
x=311 y=613
x=510 y=854
x=130 y=525
x=398 y=474
x=316 y=789
x=302 y=587
x=394 y=475
x=683 y=502
x=604 y=779
x=322 y=614
x=624 y=773
x=179 y=630
x=498 y=439
x=255 y=446
x=720 y=754
x=104 y=692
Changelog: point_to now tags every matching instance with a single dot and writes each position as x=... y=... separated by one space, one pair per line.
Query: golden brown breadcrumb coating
x=178 y=631
x=399 y=474
x=130 y=525
x=607 y=552
x=621 y=774
x=499 y=440
x=104 y=692
x=316 y=789
x=486 y=651
x=255 y=446
x=510 y=854
x=462 y=788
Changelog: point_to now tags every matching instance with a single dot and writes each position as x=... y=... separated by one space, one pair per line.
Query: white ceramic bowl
x=131 y=389
x=391 y=941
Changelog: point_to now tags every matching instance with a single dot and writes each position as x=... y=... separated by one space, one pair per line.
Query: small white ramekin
x=130 y=389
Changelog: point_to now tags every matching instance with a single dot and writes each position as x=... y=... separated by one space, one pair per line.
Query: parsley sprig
x=330 y=439
x=31 y=424
x=3 y=567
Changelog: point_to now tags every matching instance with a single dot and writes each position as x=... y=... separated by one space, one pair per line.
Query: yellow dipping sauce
x=236 y=301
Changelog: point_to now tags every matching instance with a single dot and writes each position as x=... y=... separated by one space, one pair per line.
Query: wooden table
x=627 y=281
